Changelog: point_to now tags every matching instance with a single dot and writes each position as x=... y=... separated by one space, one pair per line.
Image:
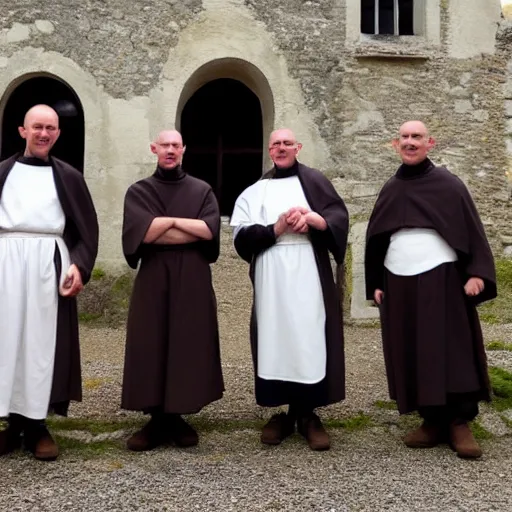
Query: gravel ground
x=366 y=470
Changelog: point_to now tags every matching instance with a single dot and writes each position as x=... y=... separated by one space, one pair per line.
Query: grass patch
x=88 y=317
x=389 y=405
x=352 y=424
x=499 y=345
x=480 y=432
x=97 y=274
x=88 y=450
x=501 y=384
x=498 y=311
x=507 y=421
x=94 y=426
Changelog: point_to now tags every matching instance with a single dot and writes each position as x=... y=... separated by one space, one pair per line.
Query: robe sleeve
x=210 y=214
x=83 y=253
x=479 y=262
x=81 y=218
x=137 y=218
x=326 y=202
x=250 y=239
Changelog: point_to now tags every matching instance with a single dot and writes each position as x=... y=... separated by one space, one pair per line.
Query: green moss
x=389 y=405
x=499 y=345
x=359 y=422
x=480 y=432
x=94 y=426
x=501 y=383
x=97 y=274
x=498 y=311
x=92 y=450
x=88 y=317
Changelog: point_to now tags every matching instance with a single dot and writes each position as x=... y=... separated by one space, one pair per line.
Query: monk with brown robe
x=285 y=226
x=428 y=264
x=172 y=365
x=48 y=245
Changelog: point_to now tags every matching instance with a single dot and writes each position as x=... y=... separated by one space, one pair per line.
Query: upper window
x=391 y=17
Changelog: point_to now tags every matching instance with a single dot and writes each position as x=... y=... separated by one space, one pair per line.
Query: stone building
x=344 y=74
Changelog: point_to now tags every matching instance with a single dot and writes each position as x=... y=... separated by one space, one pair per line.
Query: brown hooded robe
x=172 y=343
x=432 y=340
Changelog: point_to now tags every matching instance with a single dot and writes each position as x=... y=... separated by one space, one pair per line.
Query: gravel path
x=366 y=470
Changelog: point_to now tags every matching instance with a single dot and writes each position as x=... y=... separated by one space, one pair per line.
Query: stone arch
x=236 y=69
x=35 y=88
x=30 y=62
x=229 y=160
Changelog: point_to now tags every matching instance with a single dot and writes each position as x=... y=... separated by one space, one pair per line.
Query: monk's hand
x=72 y=285
x=281 y=226
x=315 y=221
x=378 y=295
x=474 y=286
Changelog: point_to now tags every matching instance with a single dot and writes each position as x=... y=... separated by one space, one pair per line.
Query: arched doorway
x=58 y=95
x=222 y=128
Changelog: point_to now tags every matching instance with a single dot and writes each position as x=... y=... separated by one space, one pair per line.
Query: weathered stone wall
x=123 y=44
x=134 y=64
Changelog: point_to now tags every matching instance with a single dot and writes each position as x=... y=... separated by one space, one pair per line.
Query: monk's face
x=413 y=142
x=283 y=148
x=169 y=149
x=41 y=131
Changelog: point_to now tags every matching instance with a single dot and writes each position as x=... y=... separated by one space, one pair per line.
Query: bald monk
x=48 y=245
x=172 y=365
x=285 y=226
x=428 y=264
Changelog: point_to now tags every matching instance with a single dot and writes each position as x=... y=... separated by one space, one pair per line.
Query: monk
x=48 y=243
x=428 y=264
x=172 y=365
x=285 y=226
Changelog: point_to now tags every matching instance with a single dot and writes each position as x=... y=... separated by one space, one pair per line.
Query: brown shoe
x=278 y=428
x=39 y=441
x=426 y=436
x=181 y=432
x=151 y=435
x=463 y=441
x=312 y=429
x=10 y=438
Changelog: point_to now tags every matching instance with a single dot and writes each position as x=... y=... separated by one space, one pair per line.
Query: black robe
x=81 y=238
x=252 y=240
x=172 y=357
x=432 y=339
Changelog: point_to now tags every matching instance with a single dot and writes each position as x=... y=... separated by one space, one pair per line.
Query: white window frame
x=427 y=25
x=396 y=16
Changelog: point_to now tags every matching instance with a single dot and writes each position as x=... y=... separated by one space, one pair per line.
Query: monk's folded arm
x=175 y=236
x=158 y=226
x=194 y=227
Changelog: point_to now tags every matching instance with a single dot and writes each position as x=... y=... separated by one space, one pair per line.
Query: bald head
x=38 y=112
x=169 y=135
x=414 y=127
x=40 y=130
x=169 y=149
x=283 y=148
x=413 y=142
